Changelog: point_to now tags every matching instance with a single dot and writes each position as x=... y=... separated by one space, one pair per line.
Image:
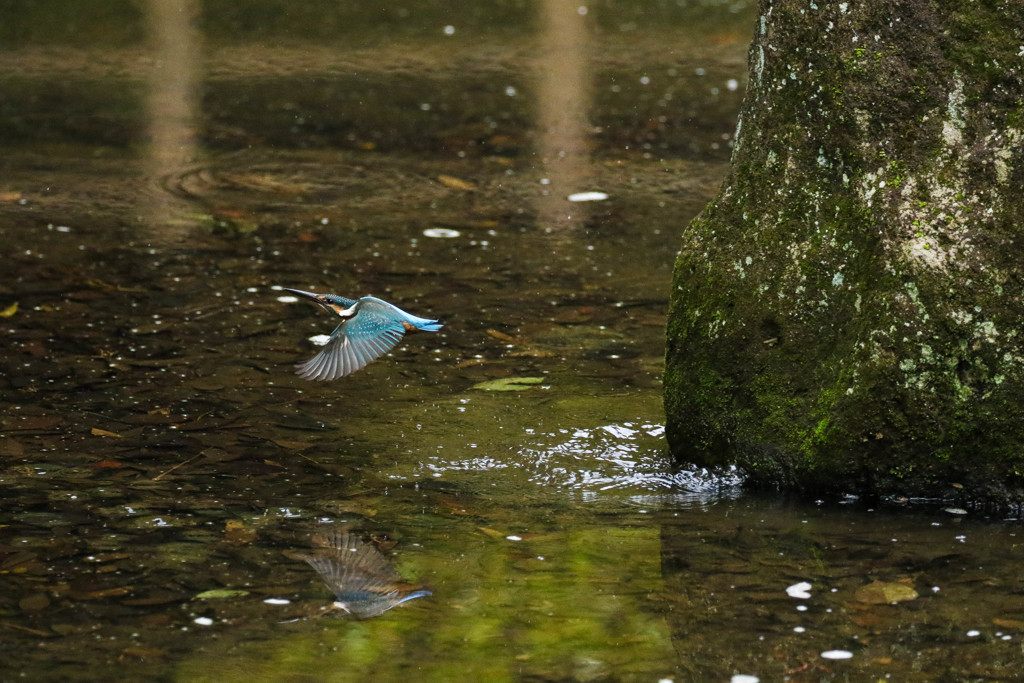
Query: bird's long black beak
x=313 y=296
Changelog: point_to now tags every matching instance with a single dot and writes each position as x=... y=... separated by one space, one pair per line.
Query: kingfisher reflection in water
x=364 y=582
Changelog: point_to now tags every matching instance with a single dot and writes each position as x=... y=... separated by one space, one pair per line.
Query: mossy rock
x=846 y=313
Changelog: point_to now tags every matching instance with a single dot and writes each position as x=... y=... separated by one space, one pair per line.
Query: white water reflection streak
x=629 y=456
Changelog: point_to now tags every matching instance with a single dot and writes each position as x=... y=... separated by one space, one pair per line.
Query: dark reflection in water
x=172 y=107
x=364 y=582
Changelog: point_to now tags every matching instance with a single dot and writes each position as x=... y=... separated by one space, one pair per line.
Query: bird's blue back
x=378 y=308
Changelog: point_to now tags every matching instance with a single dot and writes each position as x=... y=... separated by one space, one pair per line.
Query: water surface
x=168 y=166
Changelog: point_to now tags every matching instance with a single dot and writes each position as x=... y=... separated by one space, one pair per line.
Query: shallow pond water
x=518 y=170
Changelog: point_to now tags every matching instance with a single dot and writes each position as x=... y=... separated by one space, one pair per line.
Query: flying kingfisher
x=370 y=327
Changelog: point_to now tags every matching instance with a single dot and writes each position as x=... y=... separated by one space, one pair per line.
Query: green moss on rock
x=846 y=314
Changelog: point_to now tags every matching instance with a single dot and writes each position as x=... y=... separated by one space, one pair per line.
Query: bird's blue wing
x=364 y=337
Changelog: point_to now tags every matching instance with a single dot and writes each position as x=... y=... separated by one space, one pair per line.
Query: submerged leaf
x=9 y=311
x=112 y=464
x=1009 y=623
x=885 y=592
x=455 y=183
x=501 y=336
x=236 y=532
x=34 y=602
x=493 y=533
x=509 y=384
x=220 y=593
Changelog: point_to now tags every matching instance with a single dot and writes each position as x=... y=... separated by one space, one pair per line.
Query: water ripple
x=631 y=457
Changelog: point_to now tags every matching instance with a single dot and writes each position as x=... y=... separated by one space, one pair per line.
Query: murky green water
x=164 y=472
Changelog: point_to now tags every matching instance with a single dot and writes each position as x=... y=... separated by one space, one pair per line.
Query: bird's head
x=332 y=302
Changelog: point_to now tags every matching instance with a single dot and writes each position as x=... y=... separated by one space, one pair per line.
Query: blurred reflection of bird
x=361 y=578
x=370 y=328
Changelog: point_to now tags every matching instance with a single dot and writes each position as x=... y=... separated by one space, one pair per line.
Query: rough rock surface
x=848 y=313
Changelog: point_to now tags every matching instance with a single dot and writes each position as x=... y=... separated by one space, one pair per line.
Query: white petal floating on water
x=277 y=601
x=204 y=621
x=837 y=654
x=799 y=590
x=744 y=678
x=320 y=339
x=288 y=299
x=443 y=233
x=973 y=633
x=588 y=197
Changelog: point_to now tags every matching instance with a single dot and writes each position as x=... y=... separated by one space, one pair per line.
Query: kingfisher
x=364 y=582
x=370 y=327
